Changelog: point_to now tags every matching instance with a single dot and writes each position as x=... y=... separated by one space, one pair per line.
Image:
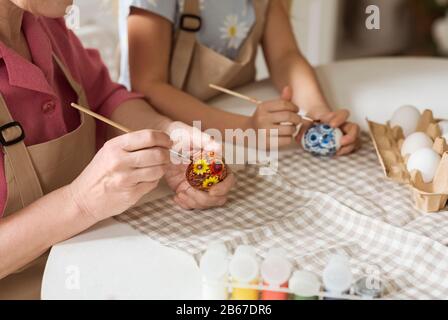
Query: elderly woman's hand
x=189 y=198
x=122 y=172
x=192 y=140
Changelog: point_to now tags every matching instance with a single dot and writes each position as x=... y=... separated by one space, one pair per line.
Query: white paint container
x=214 y=268
x=337 y=275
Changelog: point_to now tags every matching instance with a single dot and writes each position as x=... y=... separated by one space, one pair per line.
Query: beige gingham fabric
x=313 y=208
x=358 y=181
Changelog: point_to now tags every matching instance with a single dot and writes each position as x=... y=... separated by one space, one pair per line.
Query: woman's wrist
x=76 y=205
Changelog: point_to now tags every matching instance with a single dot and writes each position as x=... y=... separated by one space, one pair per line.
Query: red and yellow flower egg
x=206 y=170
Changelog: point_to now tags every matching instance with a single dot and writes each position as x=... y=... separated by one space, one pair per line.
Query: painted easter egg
x=322 y=140
x=206 y=170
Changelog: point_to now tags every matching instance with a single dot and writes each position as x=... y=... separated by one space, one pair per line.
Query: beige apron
x=194 y=66
x=34 y=171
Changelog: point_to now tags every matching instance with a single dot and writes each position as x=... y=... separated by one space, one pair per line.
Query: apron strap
x=73 y=83
x=190 y=24
x=12 y=137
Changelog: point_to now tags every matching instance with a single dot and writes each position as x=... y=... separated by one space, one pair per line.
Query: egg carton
x=428 y=197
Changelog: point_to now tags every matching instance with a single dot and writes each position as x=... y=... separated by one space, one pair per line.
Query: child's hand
x=351 y=139
x=338 y=119
x=278 y=114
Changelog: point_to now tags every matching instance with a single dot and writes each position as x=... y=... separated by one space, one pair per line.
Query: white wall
x=99 y=29
x=393 y=37
x=315 y=24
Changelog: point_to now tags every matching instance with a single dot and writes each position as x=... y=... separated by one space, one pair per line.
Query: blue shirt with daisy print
x=225 y=24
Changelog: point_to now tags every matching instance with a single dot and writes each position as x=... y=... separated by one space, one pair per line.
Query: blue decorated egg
x=322 y=140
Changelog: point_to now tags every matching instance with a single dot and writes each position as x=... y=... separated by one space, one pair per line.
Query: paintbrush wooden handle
x=235 y=94
x=101 y=118
x=250 y=99
x=116 y=125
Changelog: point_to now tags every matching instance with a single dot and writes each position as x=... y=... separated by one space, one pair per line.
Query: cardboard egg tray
x=428 y=197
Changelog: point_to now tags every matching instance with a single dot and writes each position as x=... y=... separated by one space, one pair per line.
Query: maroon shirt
x=37 y=93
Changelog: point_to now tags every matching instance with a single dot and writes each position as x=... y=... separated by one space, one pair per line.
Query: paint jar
x=369 y=287
x=304 y=285
x=244 y=271
x=275 y=272
x=214 y=269
x=337 y=275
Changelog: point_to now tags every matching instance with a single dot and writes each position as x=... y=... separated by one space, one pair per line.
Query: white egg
x=426 y=161
x=414 y=142
x=407 y=117
x=443 y=127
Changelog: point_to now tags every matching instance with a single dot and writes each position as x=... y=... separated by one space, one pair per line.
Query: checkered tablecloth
x=358 y=181
x=313 y=208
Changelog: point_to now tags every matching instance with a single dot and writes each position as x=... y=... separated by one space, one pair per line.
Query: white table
x=113 y=261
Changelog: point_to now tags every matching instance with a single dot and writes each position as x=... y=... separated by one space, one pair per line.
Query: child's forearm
x=296 y=72
x=183 y=107
x=287 y=65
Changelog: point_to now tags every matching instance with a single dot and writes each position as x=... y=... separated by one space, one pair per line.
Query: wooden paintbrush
x=116 y=125
x=250 y=99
